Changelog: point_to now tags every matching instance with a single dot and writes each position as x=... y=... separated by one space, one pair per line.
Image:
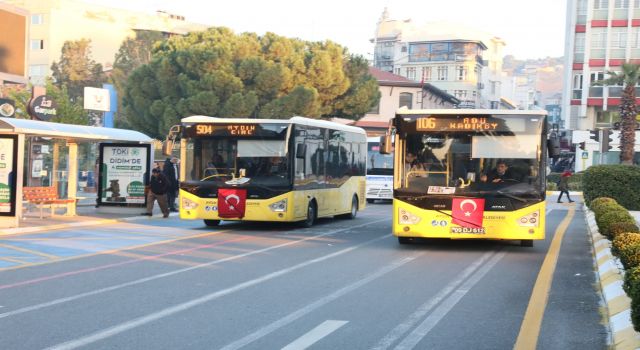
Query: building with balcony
x=600 y=36
x=460 y=61
x=52 y=22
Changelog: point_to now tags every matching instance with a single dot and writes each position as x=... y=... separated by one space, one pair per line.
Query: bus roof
x=409 y=112
x=293 y=120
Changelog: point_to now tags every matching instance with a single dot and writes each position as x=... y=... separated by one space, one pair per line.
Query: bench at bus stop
x=43 y=197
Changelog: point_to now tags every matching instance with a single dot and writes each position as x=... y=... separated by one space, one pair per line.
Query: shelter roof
x=70 y=131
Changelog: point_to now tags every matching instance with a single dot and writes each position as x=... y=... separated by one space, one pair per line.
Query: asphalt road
x=342 y=284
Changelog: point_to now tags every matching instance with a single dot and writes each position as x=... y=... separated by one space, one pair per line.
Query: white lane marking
x=548 y=211
x=140 y=321
x=316 y=304
x=321 y=331
x=443 y=309
x=167 y=274
x=421 y=311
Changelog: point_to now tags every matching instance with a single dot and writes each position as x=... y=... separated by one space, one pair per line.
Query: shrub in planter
x=596 y=203
x=630 y=255
x=618 y=228
x=609 y=217
x=631 y=283
x=624 y=240
x=620 y=182
x=607 y=207
x=635 y=313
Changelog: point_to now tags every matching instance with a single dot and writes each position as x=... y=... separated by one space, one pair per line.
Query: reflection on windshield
x=262 y=162
x=471 y=163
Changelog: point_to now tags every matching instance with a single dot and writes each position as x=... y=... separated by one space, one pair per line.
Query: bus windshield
x=378 y=164
x=258 y=161
x=472 y=163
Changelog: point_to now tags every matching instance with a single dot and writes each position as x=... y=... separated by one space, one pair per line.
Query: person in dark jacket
x=500 y=174
x=563 y=186
x=158 y=186
x=171 y=170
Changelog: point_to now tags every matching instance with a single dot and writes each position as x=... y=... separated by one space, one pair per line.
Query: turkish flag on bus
x=467 y=212
x=231 y=202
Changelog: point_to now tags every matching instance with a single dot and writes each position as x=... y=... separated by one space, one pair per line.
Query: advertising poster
x=7 y=175
x=123 y=169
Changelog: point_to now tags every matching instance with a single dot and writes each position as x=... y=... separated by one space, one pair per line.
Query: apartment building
x=14 y=26
x=463 y=62
x=600 y=36
x=52 y=22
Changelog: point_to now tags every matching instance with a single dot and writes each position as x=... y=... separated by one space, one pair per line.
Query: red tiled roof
x=381 y=75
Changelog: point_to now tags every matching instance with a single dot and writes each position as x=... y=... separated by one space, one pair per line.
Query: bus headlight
x=188 y=204
x=405 y=217
x=530 y=220
x=279 y=206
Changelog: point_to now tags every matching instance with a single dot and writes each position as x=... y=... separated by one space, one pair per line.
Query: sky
x=531 y=29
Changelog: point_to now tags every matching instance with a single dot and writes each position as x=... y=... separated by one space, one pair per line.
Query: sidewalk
x=86 y=216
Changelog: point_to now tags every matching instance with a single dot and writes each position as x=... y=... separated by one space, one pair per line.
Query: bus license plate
x=471 y=230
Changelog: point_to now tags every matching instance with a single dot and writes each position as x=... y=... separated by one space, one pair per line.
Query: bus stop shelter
x=16 y=133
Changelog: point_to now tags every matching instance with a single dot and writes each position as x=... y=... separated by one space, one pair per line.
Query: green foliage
x=76 y=69
x=620 y=182
x=624 y=240
x=629 y=255
x=21 y=96
x=608 y=218
x=618 y=228
x=632 y=282
x=595 y=204
x=222 y=74
x=605 y=208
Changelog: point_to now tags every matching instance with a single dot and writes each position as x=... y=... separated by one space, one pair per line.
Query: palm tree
x=629 y=77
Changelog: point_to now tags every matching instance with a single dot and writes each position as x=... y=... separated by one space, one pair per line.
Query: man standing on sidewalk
x=158 y=187
x=171 y=170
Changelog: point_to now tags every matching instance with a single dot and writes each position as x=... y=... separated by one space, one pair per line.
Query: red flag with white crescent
x=231 y=202
x=467 y=212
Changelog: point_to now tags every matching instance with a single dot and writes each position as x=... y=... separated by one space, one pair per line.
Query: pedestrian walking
x=158 y=187
x=563 y=185
x=171 y=170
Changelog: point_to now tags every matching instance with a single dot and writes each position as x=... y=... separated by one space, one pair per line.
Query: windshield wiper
x=511 y=196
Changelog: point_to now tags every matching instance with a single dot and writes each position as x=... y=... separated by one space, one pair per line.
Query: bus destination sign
x=224 y=129
x=459 y=124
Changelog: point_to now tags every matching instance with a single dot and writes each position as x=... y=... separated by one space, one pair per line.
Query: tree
x=68 y=111
x=76 y=69
x=628 y=77
x=133 y=53
x=221 y=74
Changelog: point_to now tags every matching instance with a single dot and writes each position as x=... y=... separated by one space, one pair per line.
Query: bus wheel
x=211 y=222
x=370 y=200
x=354 y=210
x=526 y=243
x=311 y=215
x=404 y=240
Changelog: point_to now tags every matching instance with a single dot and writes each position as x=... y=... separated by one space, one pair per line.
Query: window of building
x=460 y=94
x=599 y=38
x=582 y=7
x=577 y=87
x=443 y=73
x=494 y=87
x=37 y=19
x=579 y=43
x=37 y=44
x=411 y=73
x=635 y=37
x=375 y=109
x=621 y=4
x=461 y=73
x=397 y=71
x=600 y=4
x=426 y=73
x=406 y=100
x=618 y=37
x=636 y=3
x=596 y=90
x=37 y=70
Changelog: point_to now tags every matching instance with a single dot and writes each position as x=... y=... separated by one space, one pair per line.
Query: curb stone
x=36 y=229
x=610 y=278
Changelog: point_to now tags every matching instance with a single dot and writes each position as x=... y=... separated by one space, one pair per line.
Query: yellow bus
x=469 y=174
x=278 y=170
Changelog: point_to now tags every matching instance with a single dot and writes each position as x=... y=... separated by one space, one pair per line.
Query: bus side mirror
x=301 y=150
x=385 y=144
x=553 y=146
x=167 y=147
